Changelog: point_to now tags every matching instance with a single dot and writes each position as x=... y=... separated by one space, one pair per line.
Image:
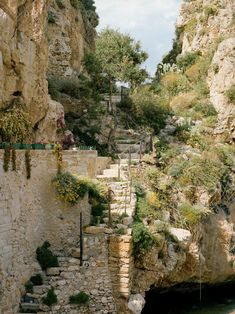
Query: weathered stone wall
x=121 y=264
x=30 y=214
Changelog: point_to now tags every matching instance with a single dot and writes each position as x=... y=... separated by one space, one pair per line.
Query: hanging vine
x=28 y=164
x=13 y=159
x=58 y=151
x=6 y=158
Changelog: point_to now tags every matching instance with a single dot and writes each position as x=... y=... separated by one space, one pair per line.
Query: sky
x=152 y=22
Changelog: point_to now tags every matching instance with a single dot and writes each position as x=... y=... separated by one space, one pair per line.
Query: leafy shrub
x=6 y=157
x=175 y=83
x=51 y=18
x=15 y=124
x=75 y=4
x=192 y=215
x=187 y=60
x=183 y=102
x=201 y=88
x=139 y=190
x=206 y=109
x=13 y=159
x=45 y=257
x=183 y=132
x=58 y=152
x=51 y=298
x=28 y=164
x=81 y=298
x=143 y=239
x=60 y=4
x=69 y=188
x=176 y=49
x=120 y=231
x=205 y=171
x=148 y=110
x=53 y=89
x=36 y=280
x=28 y=287
x=230 y=93
x=98 y=209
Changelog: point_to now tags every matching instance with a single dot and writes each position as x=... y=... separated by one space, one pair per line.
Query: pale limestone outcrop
x=25 y=36
x=136 y=303
x=68 y=38
x=47 y=127
x=23 y=55
x=219 y=82
x=208 y=258
x=208 y=26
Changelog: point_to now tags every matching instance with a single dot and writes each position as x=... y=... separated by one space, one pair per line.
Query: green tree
x=120 y=58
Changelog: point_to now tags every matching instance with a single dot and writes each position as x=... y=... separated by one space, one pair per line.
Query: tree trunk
x=110 y=96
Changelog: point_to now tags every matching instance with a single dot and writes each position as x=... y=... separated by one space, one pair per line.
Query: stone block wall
x=121 y=265
x=30 y=213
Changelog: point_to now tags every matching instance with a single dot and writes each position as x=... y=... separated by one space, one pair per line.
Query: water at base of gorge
x=185 y=299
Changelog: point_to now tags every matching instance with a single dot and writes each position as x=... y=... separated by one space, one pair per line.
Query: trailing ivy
x=13 y=159
x=28 y=164
x=58 y=151
x=6 y=158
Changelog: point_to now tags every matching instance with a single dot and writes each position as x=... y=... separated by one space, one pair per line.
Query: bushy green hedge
x=45 y=256
x=143 y=239
x=81 y=298
x=51 y=298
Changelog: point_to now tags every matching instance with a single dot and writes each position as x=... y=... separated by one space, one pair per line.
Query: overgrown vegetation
x=230 y=93
x=6 y=157
x=15 y=125
x=45 y=256
x=36 y=280
x=71 y=189
x=81 y=298
x=50 y=298
x=143 y=239
x=28 y=164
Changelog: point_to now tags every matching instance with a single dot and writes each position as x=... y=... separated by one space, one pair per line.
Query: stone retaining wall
x=30 y=214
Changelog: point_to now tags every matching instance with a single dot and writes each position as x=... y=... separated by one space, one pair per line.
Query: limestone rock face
x=220 y=82
x=70 y=36
x=47 y=127
x=23 y=55
x=208 y=257
x=208 y=26
x=27 y=33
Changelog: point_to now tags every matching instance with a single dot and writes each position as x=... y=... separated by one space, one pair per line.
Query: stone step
x=39 y=290
x=34 y=307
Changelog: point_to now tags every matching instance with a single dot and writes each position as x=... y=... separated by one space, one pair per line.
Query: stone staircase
x=130 y=141
x=123 y=201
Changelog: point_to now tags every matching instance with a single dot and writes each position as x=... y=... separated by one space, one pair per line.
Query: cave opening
x=184 y=298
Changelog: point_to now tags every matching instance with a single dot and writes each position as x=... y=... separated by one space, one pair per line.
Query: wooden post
x=140 y=150
x=110 y=216
x=119 y=168
x=81 y=240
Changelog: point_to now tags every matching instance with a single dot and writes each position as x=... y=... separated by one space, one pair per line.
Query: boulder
x=136 y=303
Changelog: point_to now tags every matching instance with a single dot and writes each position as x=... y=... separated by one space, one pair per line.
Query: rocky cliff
x=201 y=252
x=208 y=26
x=40 y=38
